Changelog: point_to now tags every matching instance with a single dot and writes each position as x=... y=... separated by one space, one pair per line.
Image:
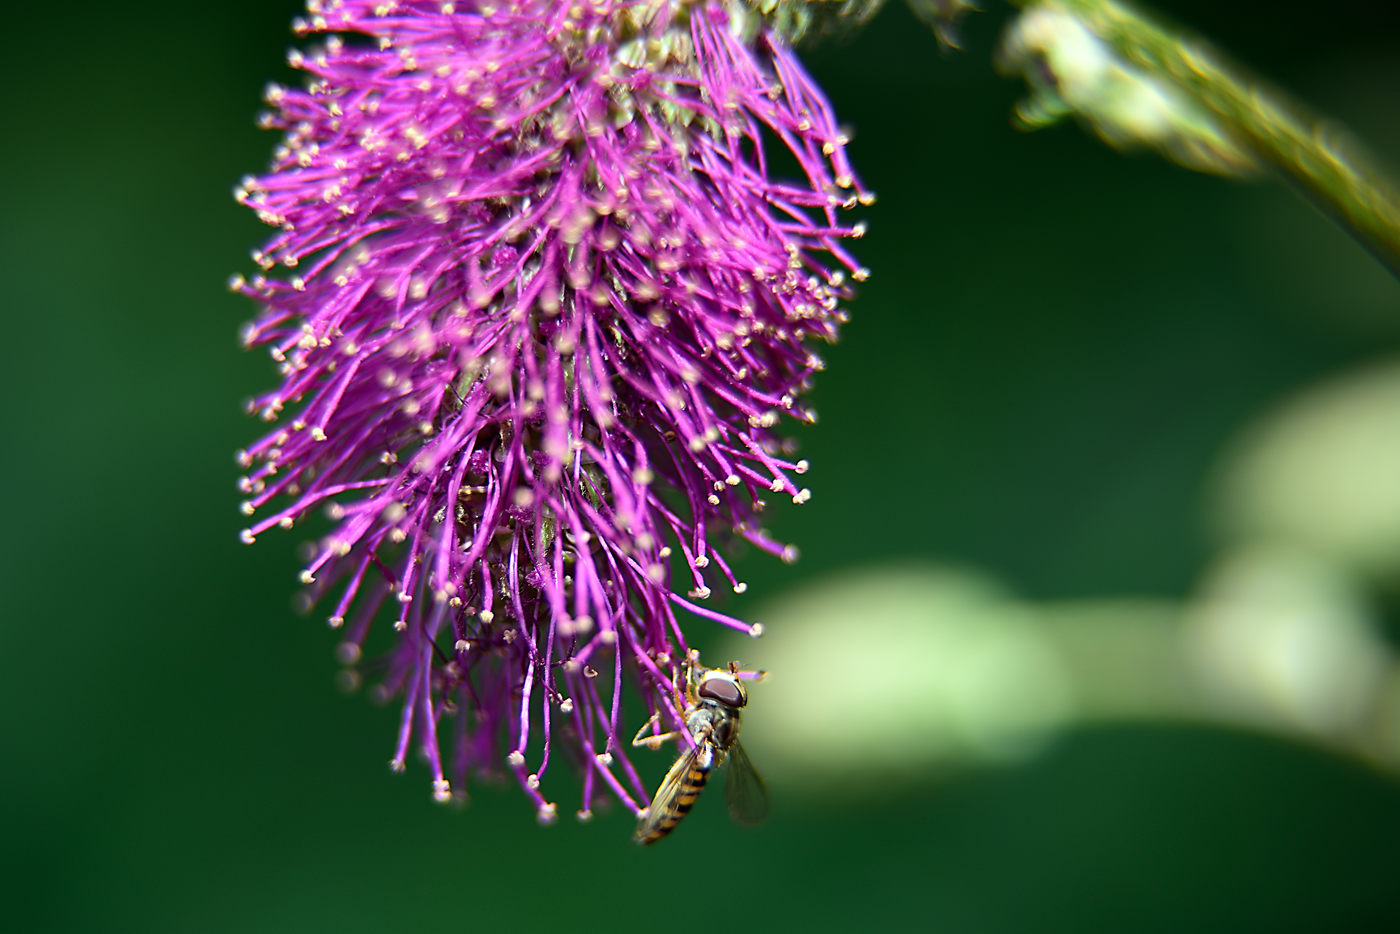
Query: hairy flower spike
x=547 y=307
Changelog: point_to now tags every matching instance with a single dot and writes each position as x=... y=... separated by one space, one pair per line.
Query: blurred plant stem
x=1142 y=83
x=956 y=671
x=1312 y=677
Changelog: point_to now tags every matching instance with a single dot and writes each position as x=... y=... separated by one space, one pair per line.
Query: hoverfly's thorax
x=714 y=722
x=726 y=730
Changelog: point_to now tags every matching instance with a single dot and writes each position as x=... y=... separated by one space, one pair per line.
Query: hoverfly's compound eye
x=723 y=689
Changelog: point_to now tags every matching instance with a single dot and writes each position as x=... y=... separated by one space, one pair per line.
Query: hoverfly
x=714 y=698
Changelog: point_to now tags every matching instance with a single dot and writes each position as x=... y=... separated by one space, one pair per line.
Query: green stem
x=1318 y=155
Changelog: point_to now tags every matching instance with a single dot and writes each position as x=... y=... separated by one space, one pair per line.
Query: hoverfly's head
x=719 y=685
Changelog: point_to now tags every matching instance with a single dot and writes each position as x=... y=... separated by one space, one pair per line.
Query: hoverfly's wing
x=663 y=808
x=744 y=790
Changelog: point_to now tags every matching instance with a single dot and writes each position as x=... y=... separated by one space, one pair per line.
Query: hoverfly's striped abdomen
x=692 y=783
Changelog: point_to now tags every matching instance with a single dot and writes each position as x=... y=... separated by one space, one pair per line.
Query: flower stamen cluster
x=542 y=309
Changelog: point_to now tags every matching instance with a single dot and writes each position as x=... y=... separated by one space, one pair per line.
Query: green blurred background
x=1038 y=380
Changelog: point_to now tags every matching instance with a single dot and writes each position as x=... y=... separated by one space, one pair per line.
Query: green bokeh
x=1055 y=345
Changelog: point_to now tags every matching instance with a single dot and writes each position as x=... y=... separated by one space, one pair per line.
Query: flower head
x=543 y=306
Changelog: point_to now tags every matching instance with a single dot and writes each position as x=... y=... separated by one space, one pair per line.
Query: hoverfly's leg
x=652 y=742
x=680 y=697
x=681 y=688
x=636 y=740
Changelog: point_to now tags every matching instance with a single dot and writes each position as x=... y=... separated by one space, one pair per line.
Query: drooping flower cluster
x=542 y=308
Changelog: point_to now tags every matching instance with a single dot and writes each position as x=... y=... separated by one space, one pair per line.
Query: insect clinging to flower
x=713 y=713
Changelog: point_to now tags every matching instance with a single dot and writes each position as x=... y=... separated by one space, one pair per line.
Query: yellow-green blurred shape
x=1322 y=474
x=888 y=673
x=1282 y=639
x=882 y=678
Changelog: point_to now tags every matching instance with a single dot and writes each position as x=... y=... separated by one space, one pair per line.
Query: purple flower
x=543 y=306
